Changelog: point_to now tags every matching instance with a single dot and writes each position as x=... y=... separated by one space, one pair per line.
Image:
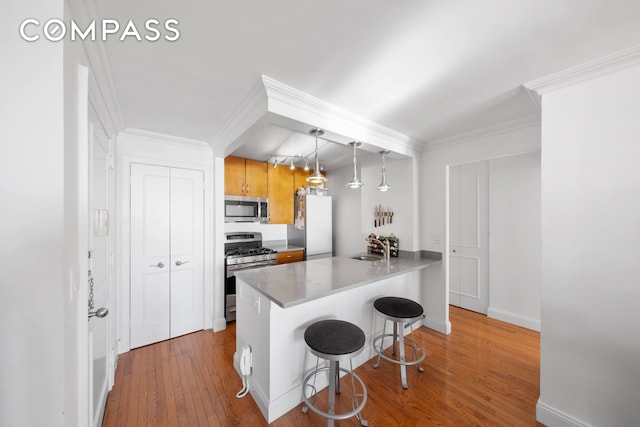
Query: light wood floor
x=485 y=373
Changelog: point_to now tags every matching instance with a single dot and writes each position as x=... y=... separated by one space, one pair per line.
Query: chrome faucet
x=386 y=247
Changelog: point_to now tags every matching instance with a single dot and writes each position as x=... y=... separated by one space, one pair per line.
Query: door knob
x=100 y=313
x=179 y=263
x=159 y=265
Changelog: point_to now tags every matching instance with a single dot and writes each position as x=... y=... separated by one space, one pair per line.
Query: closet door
x=469 y=236
x=150 y=254
x=187 y=246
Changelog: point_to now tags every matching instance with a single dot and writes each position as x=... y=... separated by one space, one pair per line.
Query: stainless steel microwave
x=246 y=209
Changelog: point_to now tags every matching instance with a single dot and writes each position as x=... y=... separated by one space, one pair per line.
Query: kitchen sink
x=367 y=258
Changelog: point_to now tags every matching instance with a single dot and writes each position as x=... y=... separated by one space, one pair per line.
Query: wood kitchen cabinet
x=280 y=190
x=299 y=178
x=245 y=177
x=291 y=256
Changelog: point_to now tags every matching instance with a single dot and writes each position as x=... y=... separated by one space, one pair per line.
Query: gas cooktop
x=248 y=251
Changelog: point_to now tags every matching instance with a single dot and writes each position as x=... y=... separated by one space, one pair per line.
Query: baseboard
x=516 y=319
x=219 y=324
x=437 y=325
x=552 y=417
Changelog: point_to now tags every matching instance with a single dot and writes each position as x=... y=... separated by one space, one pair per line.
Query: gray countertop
x=292 y=284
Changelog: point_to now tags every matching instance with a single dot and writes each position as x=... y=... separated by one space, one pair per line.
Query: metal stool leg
x=384 y=331
x=414 y=349
x=403 y=366
x=395 y=338
x=333 y=373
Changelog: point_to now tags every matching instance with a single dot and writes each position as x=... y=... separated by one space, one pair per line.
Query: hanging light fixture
x=306 y=165
x=291 y=166
x=383 y=185
x=316 y=177
x=355 y=182
x=275 y=162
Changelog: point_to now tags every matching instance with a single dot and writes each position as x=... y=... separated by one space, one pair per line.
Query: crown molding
x=102 y=88
x=485 y=132
x=163 y=138
x=270 y=99
x=252 y=108
x=607 y=64
x=301 y=106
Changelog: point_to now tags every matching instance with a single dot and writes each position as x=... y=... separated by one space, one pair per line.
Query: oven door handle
x=233 y=269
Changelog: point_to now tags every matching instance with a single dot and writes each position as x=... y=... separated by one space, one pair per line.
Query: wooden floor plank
x=485 y=373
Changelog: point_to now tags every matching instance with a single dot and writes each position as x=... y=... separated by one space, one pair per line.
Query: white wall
x=347 y=238
x=590 y=345
x=32 y=277
x=432 y=169
x=269 y=232
x=157 y=149
x=514 y=240
x=401 y=199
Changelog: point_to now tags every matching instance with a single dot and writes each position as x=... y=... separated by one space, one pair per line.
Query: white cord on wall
x=246 y=363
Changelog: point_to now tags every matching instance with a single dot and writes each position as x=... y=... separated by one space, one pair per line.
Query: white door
x=468 y=251
x=150 y=254
x=166 y=253
x=100 y=284
x=187 y=256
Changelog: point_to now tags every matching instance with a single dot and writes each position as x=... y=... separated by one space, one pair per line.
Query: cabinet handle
x=247 y=188
x=159 y=265
x=243 y=188
x=179 y=263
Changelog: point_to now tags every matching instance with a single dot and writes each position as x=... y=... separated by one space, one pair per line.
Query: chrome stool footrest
x=415 y=347
x=357 y=406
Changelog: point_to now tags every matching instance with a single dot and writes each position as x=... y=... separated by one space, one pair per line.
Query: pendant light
x=306 y=165
x=355 y=182
x=292 y=167
x=316 y=177
x=383 y=185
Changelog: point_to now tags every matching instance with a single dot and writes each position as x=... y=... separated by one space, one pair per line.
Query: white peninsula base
x=276 y=335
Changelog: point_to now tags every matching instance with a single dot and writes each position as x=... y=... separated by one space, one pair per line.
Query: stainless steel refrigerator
x=313 y=226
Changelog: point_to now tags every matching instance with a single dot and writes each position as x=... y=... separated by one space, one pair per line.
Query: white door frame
x=82 y=231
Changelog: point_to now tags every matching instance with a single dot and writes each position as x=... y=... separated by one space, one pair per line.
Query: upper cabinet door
x=234 y=179
x=280 y=195
x=256 y=178
x=245 y=177
x=300 y=178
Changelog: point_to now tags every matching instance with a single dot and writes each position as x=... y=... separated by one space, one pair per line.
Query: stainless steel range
x=242 y=251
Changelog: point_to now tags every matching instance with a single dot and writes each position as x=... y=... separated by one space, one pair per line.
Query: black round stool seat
x=334 y=337
x=400 y=308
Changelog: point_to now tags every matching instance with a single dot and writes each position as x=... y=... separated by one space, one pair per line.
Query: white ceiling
x=425 y=68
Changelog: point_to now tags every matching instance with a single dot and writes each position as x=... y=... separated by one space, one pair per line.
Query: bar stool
x=400 y=311
x=335 y=341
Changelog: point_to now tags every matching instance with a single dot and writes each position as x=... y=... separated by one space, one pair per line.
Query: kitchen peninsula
x=276 y=304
